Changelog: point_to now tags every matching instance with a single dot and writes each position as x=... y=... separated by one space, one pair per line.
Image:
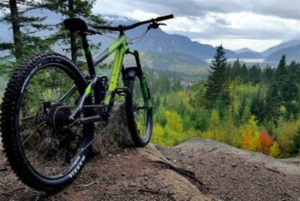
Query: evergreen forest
x=248 y=107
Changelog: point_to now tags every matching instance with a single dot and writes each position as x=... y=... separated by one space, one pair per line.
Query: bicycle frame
x=119 y=47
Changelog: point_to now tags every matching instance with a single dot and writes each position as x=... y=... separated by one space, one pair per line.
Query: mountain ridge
x=165 y=43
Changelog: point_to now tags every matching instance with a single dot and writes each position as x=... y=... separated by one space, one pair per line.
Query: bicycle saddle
x=75 y=25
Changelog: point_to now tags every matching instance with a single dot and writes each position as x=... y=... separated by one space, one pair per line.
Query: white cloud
x=233 y=23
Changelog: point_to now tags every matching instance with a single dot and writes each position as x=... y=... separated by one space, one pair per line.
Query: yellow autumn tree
x=157 y=134
x=212 y=131
x=274 y=149
x=286 y=137
x=173 y=128
x=174 y=122
x=250 y=134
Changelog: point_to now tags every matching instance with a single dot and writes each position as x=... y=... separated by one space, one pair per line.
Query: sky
x=234 y=24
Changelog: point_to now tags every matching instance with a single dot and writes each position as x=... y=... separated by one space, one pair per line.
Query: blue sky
x=233 y=23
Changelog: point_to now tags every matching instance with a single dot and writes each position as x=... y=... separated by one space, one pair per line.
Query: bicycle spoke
x=33 y=129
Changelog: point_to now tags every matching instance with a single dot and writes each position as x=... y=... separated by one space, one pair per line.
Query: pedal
x=121 y=91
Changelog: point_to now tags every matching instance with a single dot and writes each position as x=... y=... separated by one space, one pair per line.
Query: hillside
x=195 y=170
x=280 y=46
x=292 y=54
x=173 y=61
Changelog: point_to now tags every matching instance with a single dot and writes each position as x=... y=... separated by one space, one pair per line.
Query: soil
x=195 y=170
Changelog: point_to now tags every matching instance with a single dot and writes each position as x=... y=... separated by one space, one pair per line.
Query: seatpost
x=88 y=55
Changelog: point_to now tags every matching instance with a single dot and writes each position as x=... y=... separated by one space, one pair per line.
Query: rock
x=115 y=135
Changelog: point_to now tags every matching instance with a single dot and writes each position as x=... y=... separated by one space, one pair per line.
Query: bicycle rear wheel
x=139 y=115
x=44 y=150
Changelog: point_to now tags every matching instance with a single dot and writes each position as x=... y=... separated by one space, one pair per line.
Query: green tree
x=236 y=70
x=162 y=85
x=297 y=142
x=268 y=74
x=282 y=94
x=217 y=85
x=245 y=75
x=281 y=71
x=286 y=138
x=289 y=94
x=24 y=29
x=273 y=103
x=257 y=107
x=255 y=75
x=69 y=9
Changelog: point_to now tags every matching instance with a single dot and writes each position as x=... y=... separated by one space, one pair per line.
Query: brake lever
x=155 y=25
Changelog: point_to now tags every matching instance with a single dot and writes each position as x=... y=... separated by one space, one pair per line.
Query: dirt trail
x=196 y=170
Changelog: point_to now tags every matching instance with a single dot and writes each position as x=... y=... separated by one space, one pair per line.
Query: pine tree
x=236 y=70
x=282 y=93
x=268 y=74
x=273 y=103
x=297 y=142
x=257 y=107
x=70 y=9
x=289 y=96
x=217 y=85
x=255 y=74
x=24 y=29
x=281 y=71
x=245 y=75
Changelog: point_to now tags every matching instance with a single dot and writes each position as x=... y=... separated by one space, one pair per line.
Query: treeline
x=248 y=107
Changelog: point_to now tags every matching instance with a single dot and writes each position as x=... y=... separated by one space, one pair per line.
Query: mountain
x=171 y=46
x=292 y=54
x=172 y=61
x=245 y=49
x=248 y=53
x=283 y=45
x=160 y=41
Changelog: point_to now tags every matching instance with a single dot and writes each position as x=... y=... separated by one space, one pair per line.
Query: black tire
x=41 y=150
x=139 y=116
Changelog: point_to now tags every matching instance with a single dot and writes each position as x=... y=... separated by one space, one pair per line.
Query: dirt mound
x=195 y=170
x=234 y=174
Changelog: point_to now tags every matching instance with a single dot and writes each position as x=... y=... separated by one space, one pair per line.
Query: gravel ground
x=195 y=170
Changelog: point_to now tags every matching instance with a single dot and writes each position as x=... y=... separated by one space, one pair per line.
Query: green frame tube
x=119 y=46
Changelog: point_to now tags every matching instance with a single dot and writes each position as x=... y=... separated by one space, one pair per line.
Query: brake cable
x=153 y=25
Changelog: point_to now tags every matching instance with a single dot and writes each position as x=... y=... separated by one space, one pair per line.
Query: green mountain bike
x=50 y=107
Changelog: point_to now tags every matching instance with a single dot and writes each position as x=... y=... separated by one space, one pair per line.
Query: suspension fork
x=143 y=82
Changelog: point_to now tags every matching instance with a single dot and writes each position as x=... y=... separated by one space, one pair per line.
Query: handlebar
x=166 y=17
x=132 y=26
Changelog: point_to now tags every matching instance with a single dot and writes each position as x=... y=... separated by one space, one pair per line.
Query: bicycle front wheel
x=139 y=114
x=45 y=150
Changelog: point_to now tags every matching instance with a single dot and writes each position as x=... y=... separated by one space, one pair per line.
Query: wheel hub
x=59 y=117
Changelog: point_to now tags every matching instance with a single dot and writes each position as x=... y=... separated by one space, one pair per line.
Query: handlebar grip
x=167 y=17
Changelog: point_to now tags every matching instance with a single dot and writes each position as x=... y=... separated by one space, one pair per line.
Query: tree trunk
x=16 y=28
x=72 y=35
